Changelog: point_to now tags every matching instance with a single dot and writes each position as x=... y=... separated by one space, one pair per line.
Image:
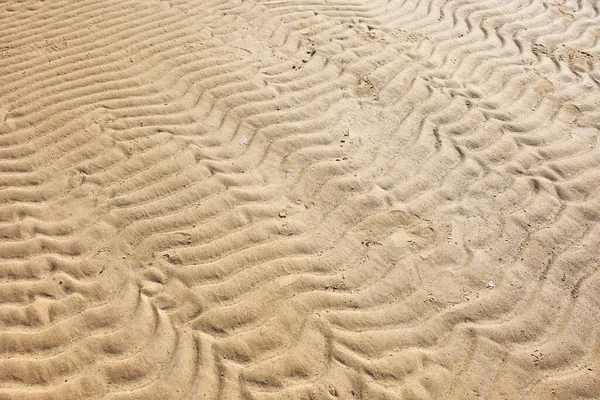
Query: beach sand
x=299 y=199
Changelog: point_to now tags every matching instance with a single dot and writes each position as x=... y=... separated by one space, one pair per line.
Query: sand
x=300 y=199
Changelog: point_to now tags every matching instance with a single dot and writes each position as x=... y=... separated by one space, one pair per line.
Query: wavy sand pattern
x=267 y=199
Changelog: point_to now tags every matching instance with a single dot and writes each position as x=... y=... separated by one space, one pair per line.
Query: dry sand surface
x=299 y=199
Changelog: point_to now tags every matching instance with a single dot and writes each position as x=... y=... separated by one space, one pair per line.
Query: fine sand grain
x=299 y=199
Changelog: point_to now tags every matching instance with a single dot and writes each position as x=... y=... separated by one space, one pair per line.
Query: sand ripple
x=299 y=199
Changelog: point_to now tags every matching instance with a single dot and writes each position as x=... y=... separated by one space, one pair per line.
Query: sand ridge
x=299 y=199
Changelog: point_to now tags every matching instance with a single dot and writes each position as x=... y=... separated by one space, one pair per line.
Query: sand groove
x=299 y=199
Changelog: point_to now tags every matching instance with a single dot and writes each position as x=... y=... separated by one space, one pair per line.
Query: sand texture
x=299 y=199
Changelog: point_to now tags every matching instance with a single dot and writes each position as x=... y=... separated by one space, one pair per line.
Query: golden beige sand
x=248 y=199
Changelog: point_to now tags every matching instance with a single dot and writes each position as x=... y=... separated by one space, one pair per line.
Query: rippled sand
x=300 y=199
